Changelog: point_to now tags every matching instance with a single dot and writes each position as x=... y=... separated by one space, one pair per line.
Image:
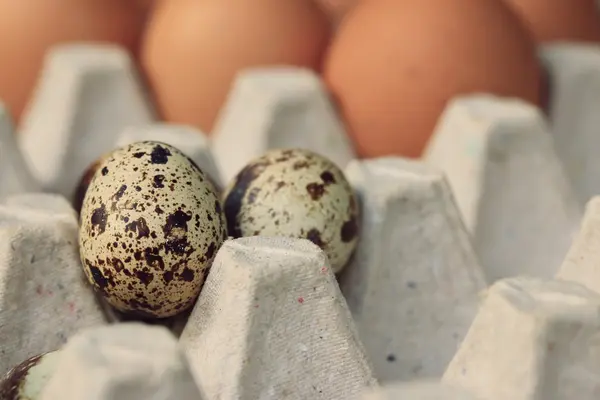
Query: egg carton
x=474 y=276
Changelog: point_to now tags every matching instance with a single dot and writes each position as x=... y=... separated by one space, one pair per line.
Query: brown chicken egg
x=29 y=28
x=560 y=20
x=193 y=49
x=395 y=64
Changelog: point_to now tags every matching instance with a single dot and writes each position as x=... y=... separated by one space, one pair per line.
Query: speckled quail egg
x=150 y=225
x=295 y=193
x=27 y=380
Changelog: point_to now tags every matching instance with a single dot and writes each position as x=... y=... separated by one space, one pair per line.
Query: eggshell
x=395 y=64
x=193 y=49
x=295 y=193
x=151 y=223
x=84 y=182
x=29 y=28
x=560 y=20
x=27 y=380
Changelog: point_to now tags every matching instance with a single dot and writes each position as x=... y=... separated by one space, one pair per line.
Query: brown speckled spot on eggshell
x=14 y=379
x=102 y=282
x=327 y=178
x=187 y=275
x=139 y=227
x=144 y=277
x=119 y=193
x=153 y=258
x=158 y=181
x=117 y=264
x=315 y=190
x=349 y=230
x=159 y=155
x=233 y=202
x=300 y=165
x=178 y=246
x=210 y=251
x=176 y=222
x=98 y=219
x=84 y=183
x=315 y=236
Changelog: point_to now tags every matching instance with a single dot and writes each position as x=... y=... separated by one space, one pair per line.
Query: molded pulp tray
x=476 y=276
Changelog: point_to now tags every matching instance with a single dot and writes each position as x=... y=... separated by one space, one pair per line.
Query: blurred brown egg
x=395 y=64
x=560 y=20
x=193 y=49
x=29 y=27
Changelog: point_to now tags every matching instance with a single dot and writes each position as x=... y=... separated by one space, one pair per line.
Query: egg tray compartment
x=496 y=200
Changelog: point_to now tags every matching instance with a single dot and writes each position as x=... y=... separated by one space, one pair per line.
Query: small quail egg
x=151 y=223
x=27 y=380
x=295 y=193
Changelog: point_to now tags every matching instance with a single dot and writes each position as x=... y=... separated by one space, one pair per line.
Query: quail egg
x=27 y=380
x=295 y=193
x=150 y=225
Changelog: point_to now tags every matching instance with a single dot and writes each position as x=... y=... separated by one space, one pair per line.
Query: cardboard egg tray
x=476 y=276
